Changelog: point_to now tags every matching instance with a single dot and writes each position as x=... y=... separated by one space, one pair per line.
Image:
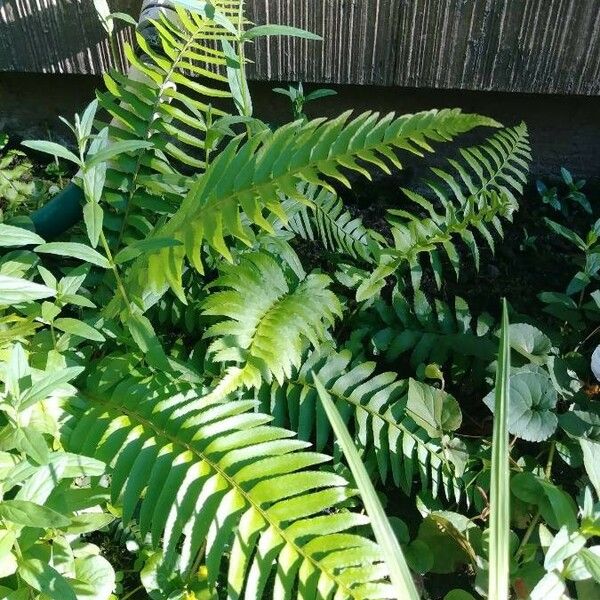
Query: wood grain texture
x=544 y=46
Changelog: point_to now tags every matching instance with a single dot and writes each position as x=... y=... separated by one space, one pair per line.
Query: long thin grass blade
x=399 y=572
x=500 y=485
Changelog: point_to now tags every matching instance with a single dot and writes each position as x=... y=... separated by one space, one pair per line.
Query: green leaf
x=95 y=578
x=7 y=540
x=591 y=461
x=277 y=30
x=17 y=367
x=591 y=562
x=53 y=149
x=42 y=388
x=567 y=233
x=207 y=10
x=144 y=336
x=94 y=177
x=45 y=579
x=79 y=328
x=529 y=340
x=93 y=217
x=384 y=533
x=29 y=514
x=103 y=11
x=533 y=398
x=17 y=236
x=32 y=442
x=499 y=540
x=75 y=250
x=14 y=291
x=563 y=546
x=550 y=587
x=115 y=149
x=447 y=535
x=140 y=246
x=8 y=566
x=123 y=17
x=459 y=595
x=433 y=409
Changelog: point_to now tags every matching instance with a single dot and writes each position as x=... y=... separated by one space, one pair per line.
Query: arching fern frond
x=326 y=220
x=268 y=321
x=435 y=332
x=375 y=406
x=469 y=201
x=213 y=481
x=250 y=178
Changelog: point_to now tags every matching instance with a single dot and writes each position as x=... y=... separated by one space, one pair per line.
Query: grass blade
x=385 y=536
x=500 y=484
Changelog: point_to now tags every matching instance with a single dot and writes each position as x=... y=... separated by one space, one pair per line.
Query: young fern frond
x=268 y=323
x=250 y=177
x=374 y=406
x=468 y=200
x=434 y=332
x=327 y=220
x=213 y=481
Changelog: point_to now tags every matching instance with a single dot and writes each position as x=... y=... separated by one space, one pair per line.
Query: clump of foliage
x=178 y=374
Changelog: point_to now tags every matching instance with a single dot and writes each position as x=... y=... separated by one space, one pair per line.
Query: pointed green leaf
x=14 y=291
x=53 y=149
x=17 y=236
x=29 y=514
x=75 y=250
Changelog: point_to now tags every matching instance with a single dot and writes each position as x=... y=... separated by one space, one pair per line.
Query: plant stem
x=115 y=269
x=551 y=452
x=528 y=534
x=538 y=514
x=130 y=594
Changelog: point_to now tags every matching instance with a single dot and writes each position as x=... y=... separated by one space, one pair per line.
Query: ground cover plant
x=224 y=384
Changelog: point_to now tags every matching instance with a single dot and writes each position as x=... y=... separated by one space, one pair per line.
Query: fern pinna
x=213 y=482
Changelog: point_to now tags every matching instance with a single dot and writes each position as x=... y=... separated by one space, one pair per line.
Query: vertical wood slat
x=547 y=46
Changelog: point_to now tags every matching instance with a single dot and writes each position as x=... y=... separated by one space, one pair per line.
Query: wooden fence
x=546 y=46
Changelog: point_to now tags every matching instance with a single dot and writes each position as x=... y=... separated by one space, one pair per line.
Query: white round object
x=596 y=363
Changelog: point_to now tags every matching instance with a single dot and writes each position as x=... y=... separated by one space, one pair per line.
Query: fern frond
x=165 y=105
x=470 y=199
x=435 y=332
x=213 y=481
x=267 y=321
x=327 y=220
x=251 y=177
x=375 y=404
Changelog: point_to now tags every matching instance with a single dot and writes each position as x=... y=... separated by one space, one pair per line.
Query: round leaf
x=95 y=578
x=532 y=400
x=529 y=340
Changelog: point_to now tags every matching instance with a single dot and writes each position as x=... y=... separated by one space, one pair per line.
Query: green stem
x=115 y=270
x=538 y=514
x=548 y=470
x=130 y=594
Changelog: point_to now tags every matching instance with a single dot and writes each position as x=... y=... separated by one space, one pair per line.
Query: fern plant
x=205 y=332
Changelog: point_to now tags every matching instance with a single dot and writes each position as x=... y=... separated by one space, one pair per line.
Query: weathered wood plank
x=547 y=46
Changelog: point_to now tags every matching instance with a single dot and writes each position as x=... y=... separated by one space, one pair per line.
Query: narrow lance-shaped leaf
x=500 y=482
x=399 y=571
